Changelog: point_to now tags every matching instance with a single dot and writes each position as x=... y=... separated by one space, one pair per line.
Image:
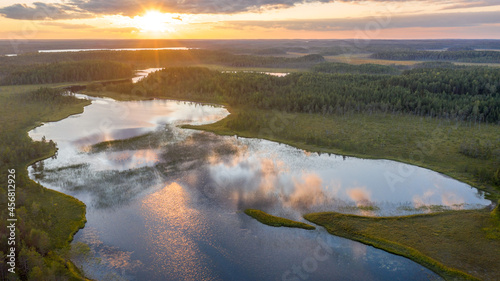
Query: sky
x=244 y=19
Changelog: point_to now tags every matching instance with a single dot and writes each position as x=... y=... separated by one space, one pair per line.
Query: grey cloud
x=43 y=11
x=371 y=23
x=71 y=9
x=473 y=4
x=86 y=8
x=133 y=7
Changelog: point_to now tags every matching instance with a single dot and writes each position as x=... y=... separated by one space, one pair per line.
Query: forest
x=158 y=58
x=438 y=90
x=68 y=72
x=336 y=67
x=457 y=56
x=259 y=47
x=45 y=219
x=471 y=94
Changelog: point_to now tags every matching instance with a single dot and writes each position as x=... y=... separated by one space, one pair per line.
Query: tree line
x=161 y=58
x=68 y=72
x=458 y=56
x=39 y=256
x=469 y=94
x=336 y=67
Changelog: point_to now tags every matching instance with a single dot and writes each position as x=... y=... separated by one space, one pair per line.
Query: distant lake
x=168 y=205
x=117 y=49
x=277 y=74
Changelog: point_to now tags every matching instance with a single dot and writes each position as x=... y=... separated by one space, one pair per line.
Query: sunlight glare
x=153 y=21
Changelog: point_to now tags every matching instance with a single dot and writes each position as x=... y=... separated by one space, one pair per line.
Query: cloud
x=473 y=4
x=119 y=30
x=134 y=7
x=73 y=9
x=360 y=195
x=69 y=25
x=43 y=11
x=308 y=192
x=371 y=23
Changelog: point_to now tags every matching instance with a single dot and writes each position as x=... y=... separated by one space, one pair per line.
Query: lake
x=167 y=204
x=117 y=49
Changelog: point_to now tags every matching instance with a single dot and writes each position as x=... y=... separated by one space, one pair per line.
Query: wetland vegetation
x=435 y=115
x=458 y=245
x=47 y=220
x=271 y=220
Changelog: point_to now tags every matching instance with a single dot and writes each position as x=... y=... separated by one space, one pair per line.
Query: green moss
x=268 y=219
x=452 y=244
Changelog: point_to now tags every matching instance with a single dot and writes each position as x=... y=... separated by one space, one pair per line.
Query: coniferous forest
x=471 y=94
x=448 y=55
x=317 y=90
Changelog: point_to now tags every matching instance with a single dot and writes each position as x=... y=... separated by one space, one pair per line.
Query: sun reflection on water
x=172 y=227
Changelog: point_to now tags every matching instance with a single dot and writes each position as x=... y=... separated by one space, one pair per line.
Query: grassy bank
x=47 y=220
x=430 y=143
x=437 y=144
x=458 y=245
x=271 y=220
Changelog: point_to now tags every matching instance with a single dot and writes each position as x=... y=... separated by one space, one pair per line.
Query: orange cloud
x=359 y=195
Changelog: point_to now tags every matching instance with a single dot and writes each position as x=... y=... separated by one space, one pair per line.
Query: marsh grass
x=271 y=220
x=454 y=244
x=151 y=140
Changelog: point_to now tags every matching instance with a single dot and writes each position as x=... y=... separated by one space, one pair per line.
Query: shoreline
x=311 y=148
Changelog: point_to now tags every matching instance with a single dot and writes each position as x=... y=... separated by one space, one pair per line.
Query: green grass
x=458 y=245
x=270 y=220
x=52 y=212
x=425 y=142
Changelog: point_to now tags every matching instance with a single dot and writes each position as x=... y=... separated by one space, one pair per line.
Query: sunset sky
x=243 y=19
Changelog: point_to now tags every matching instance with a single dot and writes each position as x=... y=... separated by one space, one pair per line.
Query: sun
x=153 y=21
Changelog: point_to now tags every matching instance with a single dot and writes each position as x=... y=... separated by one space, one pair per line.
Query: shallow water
x=167 y=206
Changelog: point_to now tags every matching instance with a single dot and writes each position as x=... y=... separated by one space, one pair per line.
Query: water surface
x=167 y=205
x=140 y=74
x=115 y=49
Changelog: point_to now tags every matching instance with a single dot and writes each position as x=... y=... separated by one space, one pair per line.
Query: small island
x=271 y=220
